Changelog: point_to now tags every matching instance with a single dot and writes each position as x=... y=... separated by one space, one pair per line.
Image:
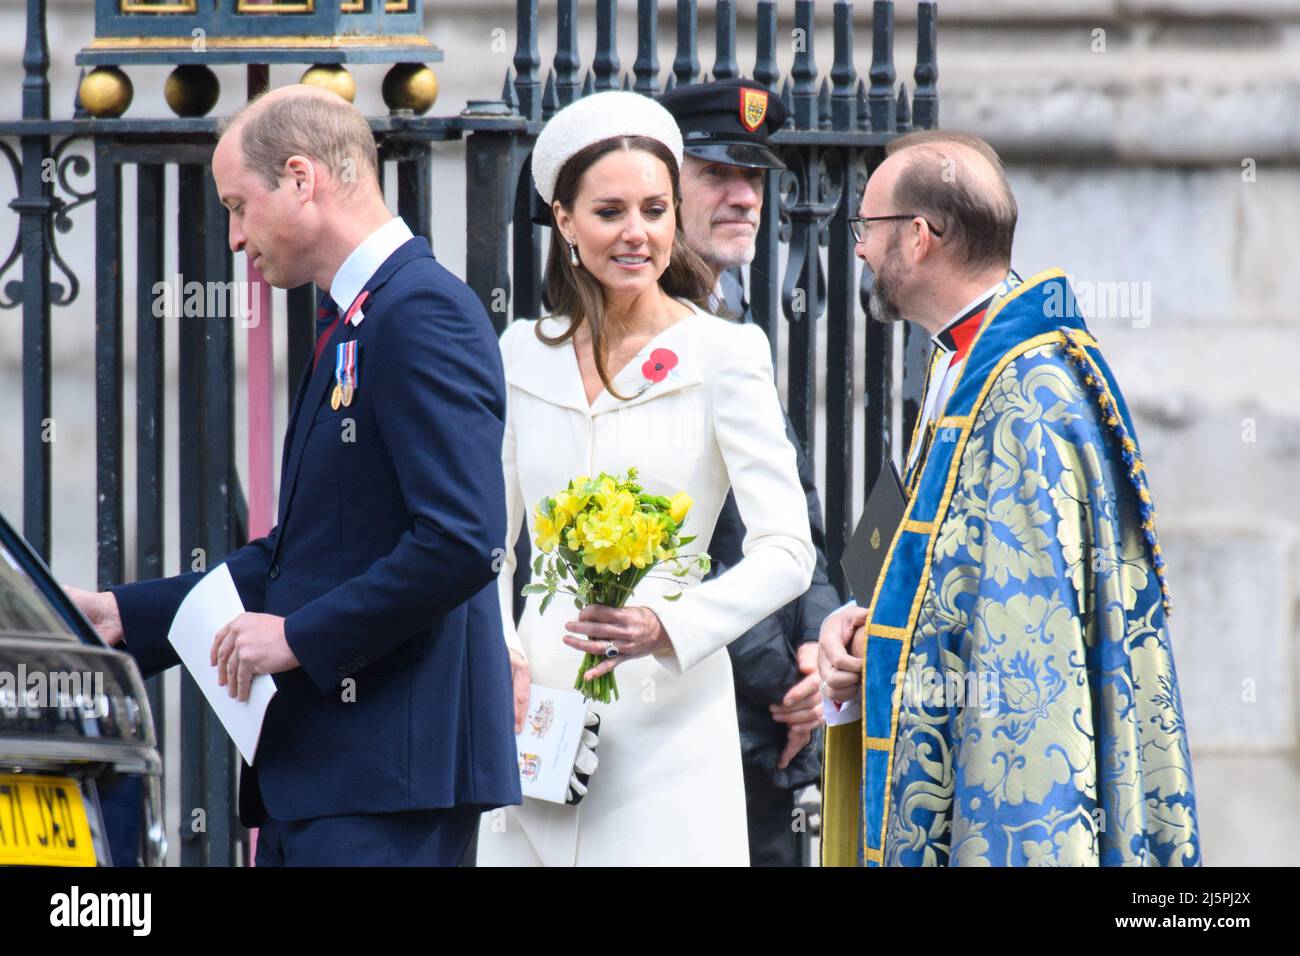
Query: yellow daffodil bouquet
x=598 y=539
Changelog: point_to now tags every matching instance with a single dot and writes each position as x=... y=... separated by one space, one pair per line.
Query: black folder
x=864 y=555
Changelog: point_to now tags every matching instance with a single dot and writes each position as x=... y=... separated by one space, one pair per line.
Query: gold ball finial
x=332 y=77
x=410 y=86
x=191 y=89
x=106 y=92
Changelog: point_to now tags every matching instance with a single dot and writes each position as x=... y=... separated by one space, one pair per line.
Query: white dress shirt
x=365 y=261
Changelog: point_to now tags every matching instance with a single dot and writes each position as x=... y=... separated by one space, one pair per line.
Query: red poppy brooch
x=656 y=368
x=661 y=362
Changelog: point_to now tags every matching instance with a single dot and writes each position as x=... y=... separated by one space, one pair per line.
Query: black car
x=80 y=772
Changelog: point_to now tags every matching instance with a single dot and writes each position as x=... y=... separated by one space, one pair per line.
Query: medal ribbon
x=350 y=363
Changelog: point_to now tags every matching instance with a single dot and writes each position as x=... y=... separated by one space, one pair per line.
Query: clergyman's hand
x=840 y=669
x=100 y=609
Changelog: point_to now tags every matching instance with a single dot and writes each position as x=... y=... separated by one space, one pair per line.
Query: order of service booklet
x=548 y=744
x=212 y=604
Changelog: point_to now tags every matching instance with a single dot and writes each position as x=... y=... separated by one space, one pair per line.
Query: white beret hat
x=594 y=118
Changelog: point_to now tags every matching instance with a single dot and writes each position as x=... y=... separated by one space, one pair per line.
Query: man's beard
x=731 y=259
x=723 y=258
x=881 y=301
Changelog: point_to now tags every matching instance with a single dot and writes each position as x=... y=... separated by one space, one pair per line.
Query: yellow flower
x=678 y=505
x=547 y=532
x=613 y=500
x=604 y=545
x=567 y=507
x=602 y=519
x=647 y=536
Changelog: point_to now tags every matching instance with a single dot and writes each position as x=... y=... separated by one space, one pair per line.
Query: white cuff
x=845 y=713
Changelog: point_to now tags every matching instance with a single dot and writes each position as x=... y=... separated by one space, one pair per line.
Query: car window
x=24 y=610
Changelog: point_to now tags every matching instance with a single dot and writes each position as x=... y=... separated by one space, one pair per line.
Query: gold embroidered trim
x=945 y=500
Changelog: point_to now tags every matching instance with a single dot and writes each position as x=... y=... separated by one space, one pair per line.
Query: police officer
x=725 y=128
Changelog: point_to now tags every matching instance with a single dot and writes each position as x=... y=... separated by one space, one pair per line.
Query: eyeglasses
x=855 y=224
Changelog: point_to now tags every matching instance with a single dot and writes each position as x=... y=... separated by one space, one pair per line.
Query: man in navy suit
x=373 y=600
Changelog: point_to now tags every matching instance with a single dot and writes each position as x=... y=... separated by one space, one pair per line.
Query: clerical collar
x=960 y=331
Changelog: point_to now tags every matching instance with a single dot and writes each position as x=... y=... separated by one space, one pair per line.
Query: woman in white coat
x=630 y=372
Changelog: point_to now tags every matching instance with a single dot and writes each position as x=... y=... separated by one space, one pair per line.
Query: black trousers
x=774 y=839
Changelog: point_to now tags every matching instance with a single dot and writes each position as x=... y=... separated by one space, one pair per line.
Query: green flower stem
x=603 y=688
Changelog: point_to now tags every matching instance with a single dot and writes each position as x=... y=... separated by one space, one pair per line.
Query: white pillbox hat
x=595 y=118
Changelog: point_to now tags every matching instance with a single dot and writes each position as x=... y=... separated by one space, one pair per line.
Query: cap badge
x=753 y=108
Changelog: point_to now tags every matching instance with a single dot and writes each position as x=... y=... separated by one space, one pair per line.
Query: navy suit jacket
x=383 y=563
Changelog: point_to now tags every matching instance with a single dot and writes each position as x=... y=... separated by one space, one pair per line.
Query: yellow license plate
x=43 y=822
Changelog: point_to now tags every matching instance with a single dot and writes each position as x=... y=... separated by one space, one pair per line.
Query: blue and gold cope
x=1020 y=704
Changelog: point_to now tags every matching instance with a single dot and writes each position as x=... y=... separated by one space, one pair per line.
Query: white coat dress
x=669 y=788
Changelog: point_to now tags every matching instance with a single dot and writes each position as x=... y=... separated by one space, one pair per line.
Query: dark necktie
x=327 y=319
